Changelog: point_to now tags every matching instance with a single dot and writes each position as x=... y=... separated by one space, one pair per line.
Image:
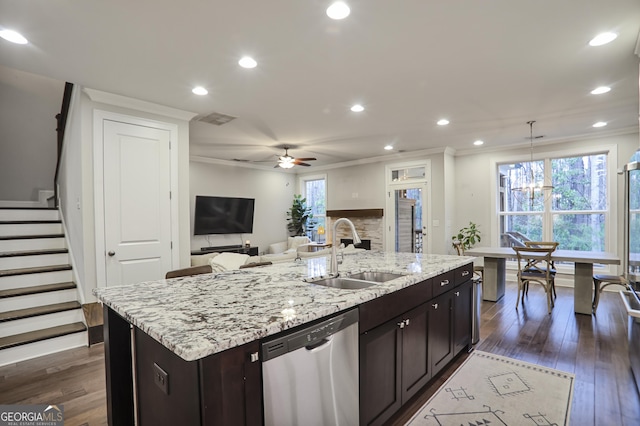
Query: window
x=314 y=190
x=572 y=210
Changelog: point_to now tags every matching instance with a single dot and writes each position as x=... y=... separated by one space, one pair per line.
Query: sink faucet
x=334 y=246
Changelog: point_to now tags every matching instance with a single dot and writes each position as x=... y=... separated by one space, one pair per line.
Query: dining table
x=494 y=275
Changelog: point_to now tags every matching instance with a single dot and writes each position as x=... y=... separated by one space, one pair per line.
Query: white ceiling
x=488 y=66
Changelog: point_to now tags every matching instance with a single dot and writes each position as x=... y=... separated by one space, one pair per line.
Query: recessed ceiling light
x=603 y=38
x=442 y=122
x=600 y=90
x=247 y=62
x=388 y=147
x=13 y=36
x=338 y=10
x=478 y=143
x=199 y=90
x=357 y=108
x=600 y=124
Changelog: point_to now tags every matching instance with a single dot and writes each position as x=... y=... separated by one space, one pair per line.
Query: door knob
x=111 y=253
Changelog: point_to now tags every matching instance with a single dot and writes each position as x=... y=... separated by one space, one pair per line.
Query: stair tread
x=28 y=208
x=38 y=310
x=45 y=288
x=33 y=270
x=38 y=335
x=30 y=237
x=33 y=252
x=29 y=222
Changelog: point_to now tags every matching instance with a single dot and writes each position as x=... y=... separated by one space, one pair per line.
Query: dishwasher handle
x=319 y=344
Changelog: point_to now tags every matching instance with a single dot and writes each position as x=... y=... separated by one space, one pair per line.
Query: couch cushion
x=278 y=247
x=295 y=242
x=229 y=261
x=202 y=259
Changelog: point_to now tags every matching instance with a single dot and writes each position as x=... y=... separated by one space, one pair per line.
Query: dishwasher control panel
x=308 y=336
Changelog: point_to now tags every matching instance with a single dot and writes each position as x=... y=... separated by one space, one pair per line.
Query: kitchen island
x=195 y=344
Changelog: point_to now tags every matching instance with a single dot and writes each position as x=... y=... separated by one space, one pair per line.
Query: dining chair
x=478 y=270
x=602 y=281
x=187 y=272
x=549 y=244
x=534 y=264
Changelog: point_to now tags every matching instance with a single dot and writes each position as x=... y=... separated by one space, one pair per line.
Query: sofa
x=287 y=251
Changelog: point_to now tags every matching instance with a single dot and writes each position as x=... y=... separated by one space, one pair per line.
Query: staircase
x=39 y=309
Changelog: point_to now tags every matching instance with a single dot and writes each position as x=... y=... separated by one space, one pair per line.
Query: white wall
x=362 y=185
x=28 y=140
x=272 y=190
x=475 y=180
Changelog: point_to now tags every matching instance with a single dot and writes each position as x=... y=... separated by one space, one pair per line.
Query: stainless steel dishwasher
x=310 y=376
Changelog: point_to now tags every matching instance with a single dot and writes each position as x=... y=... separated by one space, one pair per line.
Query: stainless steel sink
x=343 y=283
x=357 y=280
x=378 y=277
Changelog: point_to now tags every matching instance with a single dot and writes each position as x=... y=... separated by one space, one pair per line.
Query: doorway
x=134 y=230
x=407 y=208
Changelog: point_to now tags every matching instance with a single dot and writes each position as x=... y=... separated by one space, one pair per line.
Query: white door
x=137 y=206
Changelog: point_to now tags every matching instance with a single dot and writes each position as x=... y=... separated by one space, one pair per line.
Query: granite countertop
x=201 y=315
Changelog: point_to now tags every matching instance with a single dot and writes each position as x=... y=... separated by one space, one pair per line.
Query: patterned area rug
x=494 y=390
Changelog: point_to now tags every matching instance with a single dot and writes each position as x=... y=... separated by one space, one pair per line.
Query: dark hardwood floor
x=594 y=348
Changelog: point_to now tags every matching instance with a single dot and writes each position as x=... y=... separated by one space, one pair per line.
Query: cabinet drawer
x=443 y=283
x=382 y=309
x=463 y=273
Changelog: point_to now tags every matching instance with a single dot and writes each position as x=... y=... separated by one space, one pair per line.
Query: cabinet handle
x=406 y=321
x=401 y=324
x=254 y=357
x=443 y=283
x=465 y=273
x=457 y=293
x=435 y=306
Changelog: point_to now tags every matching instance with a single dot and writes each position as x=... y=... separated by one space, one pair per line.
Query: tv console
x=251 y=251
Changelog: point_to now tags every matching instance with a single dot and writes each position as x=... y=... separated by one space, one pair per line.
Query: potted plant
x=300 y=217
x=466 y=238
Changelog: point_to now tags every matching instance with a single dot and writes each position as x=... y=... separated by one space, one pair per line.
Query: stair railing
x=61 y=119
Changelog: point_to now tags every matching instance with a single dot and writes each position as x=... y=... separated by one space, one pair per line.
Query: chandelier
x=531 y=184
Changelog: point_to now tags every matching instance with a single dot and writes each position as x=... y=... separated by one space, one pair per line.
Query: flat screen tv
x=223 y=215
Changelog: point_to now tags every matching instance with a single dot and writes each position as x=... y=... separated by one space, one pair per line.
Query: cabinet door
x=440 y=331
x=462 y=298
x=380 y=386
x=416 y=369
x=232 y=387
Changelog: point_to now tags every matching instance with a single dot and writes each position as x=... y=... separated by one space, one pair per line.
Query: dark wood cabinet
x=462 y=311
x=416 y=369
x=409 y=336
x=440 y=331
x=223 y=388
x=394 y=365
x=380 y=370
x=232 y=387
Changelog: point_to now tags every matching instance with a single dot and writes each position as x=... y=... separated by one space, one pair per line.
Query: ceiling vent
x=215 y=118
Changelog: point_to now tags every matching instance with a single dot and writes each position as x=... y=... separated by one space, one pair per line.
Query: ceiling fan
x=286 y=161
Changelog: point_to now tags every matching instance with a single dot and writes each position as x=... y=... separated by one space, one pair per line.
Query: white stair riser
x=39 y=299
x=27 y=280
x=19 y=262
x=28 y=214
x=25 y=325
x=31 y=244
x=43 y=347
x=30 y=229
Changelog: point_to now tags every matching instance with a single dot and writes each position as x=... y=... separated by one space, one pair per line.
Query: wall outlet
x=161 y=378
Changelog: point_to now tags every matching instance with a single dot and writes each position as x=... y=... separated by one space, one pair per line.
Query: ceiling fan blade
x=301 y=164
x=305 y=159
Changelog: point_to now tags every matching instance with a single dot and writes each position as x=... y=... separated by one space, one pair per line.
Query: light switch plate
x=161 y=378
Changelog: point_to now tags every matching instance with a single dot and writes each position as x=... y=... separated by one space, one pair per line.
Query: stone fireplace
x=368 y=222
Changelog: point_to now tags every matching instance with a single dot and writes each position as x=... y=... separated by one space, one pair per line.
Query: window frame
x=611 y=213
x=302 y=186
